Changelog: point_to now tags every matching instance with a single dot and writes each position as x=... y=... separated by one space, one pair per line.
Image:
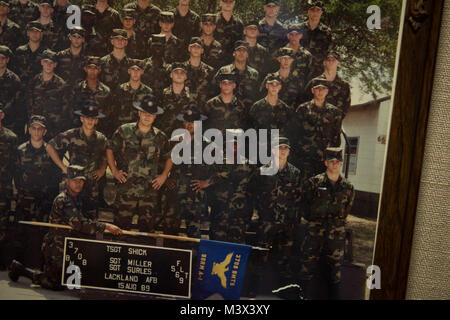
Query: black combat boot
x=16 y=269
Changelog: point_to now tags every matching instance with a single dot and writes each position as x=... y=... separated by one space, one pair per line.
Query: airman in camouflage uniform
x=258 y=56
x=115 y=65
x=177 y=98
x=10 y=87
x=187 y=22
x=246 y=77
x=292 y=89
x=156 y=73
x=317 y=37
x=128 y=93
x=327 y=200
x=106 y=19
x=22 y=12
x=212 y=49
x=8 y=148
x=91 y=89
x=276 y=200
x=199 y=74
x=272 y=33
x=86 y=147
x=231 y=210
x=96 y=44
x=175 y=49
x=51 y=38
x=136 y=47
x=225 y=111
x=315 y=126
x=270 y=112
x=71 y=60
x=147 y=15
x=139 y=157
x=48 y=95
x=193 y=179
x=36 y=180
x=9 y=30
x=67 y=209
x=60 y=16
x=229 y=29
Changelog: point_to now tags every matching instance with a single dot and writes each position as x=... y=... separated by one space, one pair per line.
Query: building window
x=352 y=156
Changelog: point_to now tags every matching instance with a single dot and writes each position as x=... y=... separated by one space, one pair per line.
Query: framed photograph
x=386 y=52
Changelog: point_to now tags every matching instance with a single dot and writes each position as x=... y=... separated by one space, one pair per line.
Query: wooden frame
x=400 y=191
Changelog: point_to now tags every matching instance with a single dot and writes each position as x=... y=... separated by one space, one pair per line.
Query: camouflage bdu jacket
x=70 y=67
x=175 y=50
x=88 y=152
x=302 y=66
x=8 y=151
x=272 y=37
x=106 y=22
x=246 y=83
x=339 y=94
x=50 y=99
x=22 y=14
x=199 y=81
x=66 y=210
x=140 y=155
x=262 y=115
x=259 y=59
x=213 y=54
x=291 y=92
x=10 y=34
x=136 y=48
x=325 y=205
x=51 y=38
x=96 y=44
x=10 y=86
x=114 y=72
x=26 y=63
x=186 y=27
x=224 y=116
x=146 y=19
x=156 y=75
x=122 y=110
x=312 y=130
x=227 y=33
x=318 y=42
x=276 y=199
x=35 y=174
x=174 y=104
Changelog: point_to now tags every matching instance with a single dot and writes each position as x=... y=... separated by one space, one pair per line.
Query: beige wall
x=429 y=272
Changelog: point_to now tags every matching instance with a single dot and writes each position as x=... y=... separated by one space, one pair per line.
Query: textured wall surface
x=429 y=272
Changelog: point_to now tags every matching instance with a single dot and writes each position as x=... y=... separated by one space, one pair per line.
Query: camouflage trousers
x=323 y=244
x=193 y=212
x=52 y=251
x=138 y=213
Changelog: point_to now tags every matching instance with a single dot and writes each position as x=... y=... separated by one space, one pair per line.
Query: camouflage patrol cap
x=90 y=109
x=315 y=4
x=226 y=76
x=119 y=33
x=166 y=16
x=158 y=39
x=295 y=28
x=137 y=63
x=5 y=3
x=272 y=77
x=196 y=41
x=48 y=54
x=5 y=52
x=319 y=81
x=34 y=25
x=80 y=31
x=191 y=114
x=282 y=141
x=285 y=52
x=209 y=18
x=45 y=2
x=75 y=172
x=273 y=2
x=334 y=54
x=177 y=66
x=251 y=23
x=148 y=104
x=40 y=120
x=128 y=13
x=332 y=154
x=241 y=44
x=93 y=61
x=88 y=9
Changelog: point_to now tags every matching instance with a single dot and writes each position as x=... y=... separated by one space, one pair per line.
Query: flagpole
x=126 y=232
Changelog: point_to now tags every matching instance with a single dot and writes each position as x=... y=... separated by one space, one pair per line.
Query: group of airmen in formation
x=111 y=92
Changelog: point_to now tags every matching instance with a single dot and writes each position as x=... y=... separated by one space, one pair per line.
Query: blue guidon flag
x=220 y=269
